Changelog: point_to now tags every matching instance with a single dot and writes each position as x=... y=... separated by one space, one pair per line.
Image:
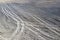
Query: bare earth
x=30 y=20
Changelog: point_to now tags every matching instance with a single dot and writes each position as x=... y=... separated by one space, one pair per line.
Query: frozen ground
x=30 y=21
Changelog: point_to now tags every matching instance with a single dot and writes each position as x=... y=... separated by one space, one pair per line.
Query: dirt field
x=29 y=20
